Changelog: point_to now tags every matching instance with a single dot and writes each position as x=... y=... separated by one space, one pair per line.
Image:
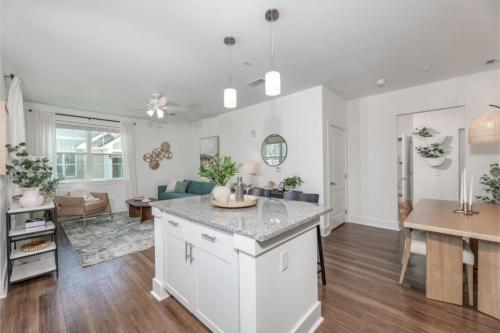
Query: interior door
x=337 y=175
x=179 y=276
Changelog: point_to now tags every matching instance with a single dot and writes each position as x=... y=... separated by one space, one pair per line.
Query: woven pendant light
x=485 y=128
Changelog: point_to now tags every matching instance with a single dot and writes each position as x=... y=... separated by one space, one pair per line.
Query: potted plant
x=491 y=184
x=292 y=182
x=29 y=172
x=49 y=187
x=429 y=135
x=220 y=170
x=424 y=132
x=433 y=154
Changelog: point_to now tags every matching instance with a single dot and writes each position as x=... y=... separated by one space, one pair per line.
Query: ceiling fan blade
x=177 y=109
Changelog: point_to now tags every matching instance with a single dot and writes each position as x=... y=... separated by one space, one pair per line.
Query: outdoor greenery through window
x=88 y=154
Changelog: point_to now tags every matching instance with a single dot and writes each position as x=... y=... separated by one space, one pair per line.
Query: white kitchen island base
x=234 y=283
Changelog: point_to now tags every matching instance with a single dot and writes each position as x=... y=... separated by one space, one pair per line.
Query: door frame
x=346 y=179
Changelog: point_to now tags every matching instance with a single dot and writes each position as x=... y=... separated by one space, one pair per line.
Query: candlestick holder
x=465 y=209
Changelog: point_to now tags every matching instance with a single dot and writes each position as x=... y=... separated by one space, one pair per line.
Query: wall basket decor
x=158 y=154
x=432 y=152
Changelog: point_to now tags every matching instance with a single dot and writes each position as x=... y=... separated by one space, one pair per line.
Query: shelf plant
x=433 y=151
x=292 y=182
x=424 y=132
x=491 y=183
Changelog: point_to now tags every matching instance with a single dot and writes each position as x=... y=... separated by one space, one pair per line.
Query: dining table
x=446 y=231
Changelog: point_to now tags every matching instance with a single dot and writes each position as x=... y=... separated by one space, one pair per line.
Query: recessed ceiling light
x=492 y=61
x=247 y=63
x=427 y=68
x=381 y=83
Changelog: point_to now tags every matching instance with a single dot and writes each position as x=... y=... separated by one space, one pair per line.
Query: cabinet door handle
x=191 y=258
x=186 y=255
x=207 y=236
x=175 y=224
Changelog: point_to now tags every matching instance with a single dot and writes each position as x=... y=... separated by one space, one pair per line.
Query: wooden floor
x=362 y=294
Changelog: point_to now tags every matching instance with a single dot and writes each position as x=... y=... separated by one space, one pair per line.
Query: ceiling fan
x=157 y=107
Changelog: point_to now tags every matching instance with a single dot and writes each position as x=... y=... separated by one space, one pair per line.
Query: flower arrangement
x=293 y=182
x=27 y=171
x=432 y=151
x=219 y=170
x=491 y=184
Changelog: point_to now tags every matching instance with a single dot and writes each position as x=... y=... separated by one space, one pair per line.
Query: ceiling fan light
x=150 y=112
x=160 y=113
x=230 y=98
x=273 y=83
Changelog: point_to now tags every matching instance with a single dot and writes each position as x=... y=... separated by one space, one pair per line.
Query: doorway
x=337 y=175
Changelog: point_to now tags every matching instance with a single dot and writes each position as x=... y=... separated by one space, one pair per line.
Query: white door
x=406 y=151
x=178 y=269
x=337 y=175
x=216 y=289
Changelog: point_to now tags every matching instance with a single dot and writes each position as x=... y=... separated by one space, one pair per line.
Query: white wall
x=372 y=149
x=149 y=137
x=296 y=117
x=3 y=188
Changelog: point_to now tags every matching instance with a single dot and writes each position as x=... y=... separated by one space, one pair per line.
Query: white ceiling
x=104 y=55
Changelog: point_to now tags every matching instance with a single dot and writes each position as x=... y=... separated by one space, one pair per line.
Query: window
x=88 y=153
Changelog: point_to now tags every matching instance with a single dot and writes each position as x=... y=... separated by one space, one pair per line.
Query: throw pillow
x=171 y=185
x=180 y=187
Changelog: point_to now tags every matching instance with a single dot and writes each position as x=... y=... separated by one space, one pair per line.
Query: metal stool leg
x=321 y=259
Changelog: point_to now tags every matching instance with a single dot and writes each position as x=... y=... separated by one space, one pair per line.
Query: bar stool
x=313 y=198
x=260 y=192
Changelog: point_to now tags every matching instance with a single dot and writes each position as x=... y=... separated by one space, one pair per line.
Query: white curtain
x=17 y=130
x=127 y=135
x=41 y=135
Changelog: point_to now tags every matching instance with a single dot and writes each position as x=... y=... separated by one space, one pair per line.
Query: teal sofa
x=194 y=188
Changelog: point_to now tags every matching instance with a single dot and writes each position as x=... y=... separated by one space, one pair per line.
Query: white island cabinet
x=249 y=270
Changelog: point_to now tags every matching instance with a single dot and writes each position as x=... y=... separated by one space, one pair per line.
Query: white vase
x=435 y=162
x=31 y=198
x=221 y=193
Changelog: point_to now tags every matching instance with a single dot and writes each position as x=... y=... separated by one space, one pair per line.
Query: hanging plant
x=491 y=183
x=432 y=151
x=424 y=132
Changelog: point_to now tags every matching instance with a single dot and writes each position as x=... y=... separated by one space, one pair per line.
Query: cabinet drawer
x=177 y=226
x=210 y=237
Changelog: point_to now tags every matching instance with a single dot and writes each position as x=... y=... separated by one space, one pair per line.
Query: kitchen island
x=240 y=270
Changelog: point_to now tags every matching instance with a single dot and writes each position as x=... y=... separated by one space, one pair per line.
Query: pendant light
x=230 y=95
x=485 y=128
x=273 y=78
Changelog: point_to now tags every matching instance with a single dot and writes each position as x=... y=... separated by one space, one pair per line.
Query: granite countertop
x=268 y=219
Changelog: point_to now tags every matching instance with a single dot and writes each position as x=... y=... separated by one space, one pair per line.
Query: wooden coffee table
x=137 y=208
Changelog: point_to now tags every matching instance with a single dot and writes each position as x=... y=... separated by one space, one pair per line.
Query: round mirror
x=274 y=150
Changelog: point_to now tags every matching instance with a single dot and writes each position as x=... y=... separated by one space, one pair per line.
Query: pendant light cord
x=228 y=65
x=272 y=41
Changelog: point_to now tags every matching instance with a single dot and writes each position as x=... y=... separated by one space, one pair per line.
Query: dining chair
x=415 y=241
x=260 y=192
x=312 y=198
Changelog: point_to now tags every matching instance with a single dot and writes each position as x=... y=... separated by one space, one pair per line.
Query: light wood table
x=445 y=231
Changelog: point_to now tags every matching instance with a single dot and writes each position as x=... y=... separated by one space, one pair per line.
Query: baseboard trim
x=311 y=320
x=158 y=292
x=374 y=222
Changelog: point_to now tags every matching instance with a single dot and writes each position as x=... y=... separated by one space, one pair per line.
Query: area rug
x=105 y=238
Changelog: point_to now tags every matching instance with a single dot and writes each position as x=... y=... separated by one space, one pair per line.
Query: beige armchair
x=76 y=206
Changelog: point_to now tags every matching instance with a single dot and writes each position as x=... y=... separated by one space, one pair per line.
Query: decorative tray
x=34 y=246
x=248 y=201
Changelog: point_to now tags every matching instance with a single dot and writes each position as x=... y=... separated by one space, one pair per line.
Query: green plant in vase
x=220 y=170
x=491 y=183
x=292 y=182
x=29 y=172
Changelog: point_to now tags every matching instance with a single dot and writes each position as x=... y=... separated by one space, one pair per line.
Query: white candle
x=462 y=188
x=465 y=186
x=470 y=191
